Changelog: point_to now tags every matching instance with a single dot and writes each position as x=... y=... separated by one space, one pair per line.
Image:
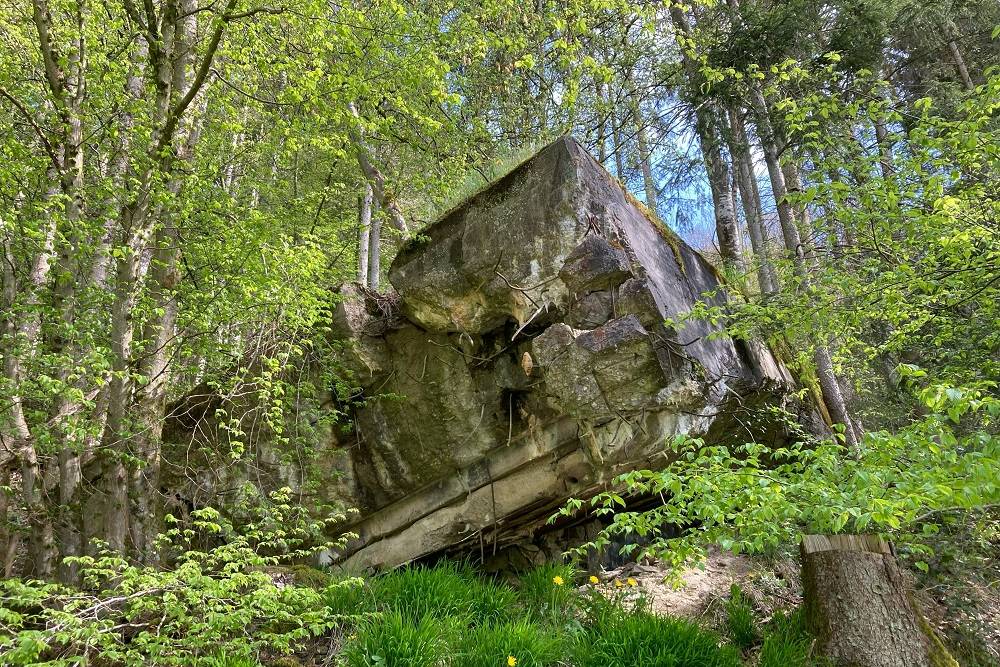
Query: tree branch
x=38 y=130
x=174 y=116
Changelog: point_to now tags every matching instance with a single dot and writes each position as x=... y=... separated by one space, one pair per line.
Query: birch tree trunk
x=619 y=144
x=364 y=232
x=160 y=330
x=710 y=136
x=956 y=56
x=753 y=210
x=645 y=164
x=601 y=109
x=375 y=251
x=884 y=149
x=375 y=177
x=803 y=218
x=826 y=377
x=106 y=509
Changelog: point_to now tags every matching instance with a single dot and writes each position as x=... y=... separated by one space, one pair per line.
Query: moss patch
x=939 y=654
x=310 y=577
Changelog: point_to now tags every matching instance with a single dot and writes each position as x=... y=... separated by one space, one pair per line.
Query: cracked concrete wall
x=524 y=361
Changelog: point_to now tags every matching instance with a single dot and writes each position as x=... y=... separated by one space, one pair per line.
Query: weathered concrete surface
x=523 y=360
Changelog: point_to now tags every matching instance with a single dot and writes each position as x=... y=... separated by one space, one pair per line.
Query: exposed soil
x=770 y=585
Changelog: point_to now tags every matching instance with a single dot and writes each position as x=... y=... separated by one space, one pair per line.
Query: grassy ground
x=553 y=616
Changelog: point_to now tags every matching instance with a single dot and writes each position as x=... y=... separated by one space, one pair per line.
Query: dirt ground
x=770 y=585
x=965 y=608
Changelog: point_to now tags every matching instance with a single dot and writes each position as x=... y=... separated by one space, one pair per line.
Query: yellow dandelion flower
x=618 y=584
x=632 y=582
x=557 y=580
x=511 y=661
x=594 y=580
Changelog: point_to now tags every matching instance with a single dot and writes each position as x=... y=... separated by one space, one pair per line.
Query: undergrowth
x=447 y=615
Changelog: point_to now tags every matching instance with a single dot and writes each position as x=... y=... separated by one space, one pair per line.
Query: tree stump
x=859 y=606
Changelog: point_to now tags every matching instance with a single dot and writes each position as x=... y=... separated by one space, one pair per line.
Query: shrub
x=531 y=645
x=739 y=619
x=446 y=590
x=219 y=602
x=642 y=638
x=396 y=640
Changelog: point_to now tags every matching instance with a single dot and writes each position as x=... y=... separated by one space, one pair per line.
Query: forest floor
x=701 y=591
x=965 y=608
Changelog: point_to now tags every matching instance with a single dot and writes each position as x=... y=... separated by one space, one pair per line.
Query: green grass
x=739 y=619
x=348 y=597
x=394 y=640
x=444 y=591
x=542 y=591
x=223 y=659
x=530 y=644
x=642 y=638
x=449 y=616
x=786 y=642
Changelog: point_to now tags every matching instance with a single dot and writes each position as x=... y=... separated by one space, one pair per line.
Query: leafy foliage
x=221 y=603
x=755 y=497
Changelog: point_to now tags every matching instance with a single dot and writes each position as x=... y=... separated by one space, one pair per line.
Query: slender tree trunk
x=710 y=135
x=9 y=540
x=860 y=608
x=619 y=145
x=803 y=217
x=753 y=210
x=20 y=340
x=375 y=250
x=375 y=177
x=364 y=232
x=826 y=377
x=645 y=158
x=601 y=108
x=120 y=166
x=957 y=58
x=160 y=329
x=884 y=148
x=106 y=510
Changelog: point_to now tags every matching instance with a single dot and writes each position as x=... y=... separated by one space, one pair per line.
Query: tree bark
x=375 y=177
x=374 y=250
x=645 y=159
x=364 y=232
x=859 y=606
x=709 y=134
x=803 y=217
x=830 y=388
x=600 y=109
x=106 y=509
x=957 y=57
x=619 y=146
x=753 y=210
